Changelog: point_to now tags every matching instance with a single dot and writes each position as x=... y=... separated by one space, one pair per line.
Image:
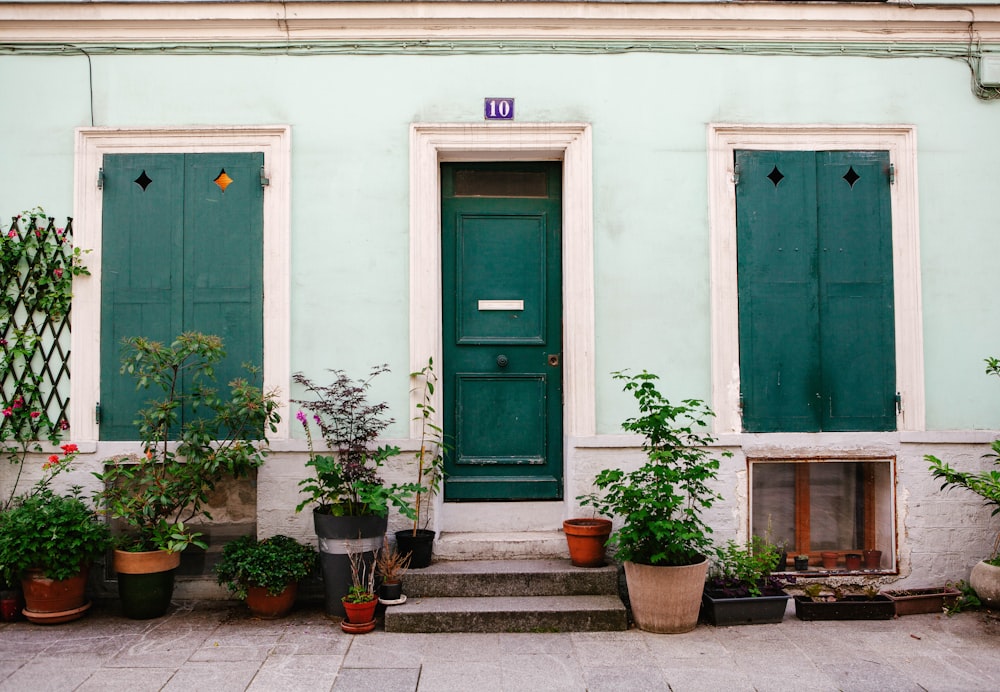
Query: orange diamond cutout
x=223 y=180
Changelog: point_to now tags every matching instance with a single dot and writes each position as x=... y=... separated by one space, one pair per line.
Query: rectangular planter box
x=917 y=601
x=723 y=612
x=848 y=608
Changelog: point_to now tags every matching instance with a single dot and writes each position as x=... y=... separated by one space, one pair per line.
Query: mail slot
x=501 y=305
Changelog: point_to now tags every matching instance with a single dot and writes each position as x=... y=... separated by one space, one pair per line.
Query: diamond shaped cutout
x=223 y=180
x=143 y=180
x=775 y=176
x=851 y=177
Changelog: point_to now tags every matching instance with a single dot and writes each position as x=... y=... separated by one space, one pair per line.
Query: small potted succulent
x=265 y=573
x=390 y=566
x=801 y=562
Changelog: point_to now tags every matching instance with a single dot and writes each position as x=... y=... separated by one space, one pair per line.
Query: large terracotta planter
x=264 y=605
x=665 y=600
x=145 y=582
x=985 y=581
x=586 y=539
x=52 y=601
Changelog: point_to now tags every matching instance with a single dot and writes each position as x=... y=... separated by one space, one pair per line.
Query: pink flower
x=35 y=414
x=8 y=411
x=58 y=272
x=69 y=448
x=302 y=417
x=64 y=424
x=12 y=233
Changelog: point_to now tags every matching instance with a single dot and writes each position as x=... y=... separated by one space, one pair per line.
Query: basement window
x=830 y=505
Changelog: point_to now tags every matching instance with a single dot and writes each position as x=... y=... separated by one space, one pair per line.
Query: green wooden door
x=814 y=245
x=182 y=250
x=502 y=330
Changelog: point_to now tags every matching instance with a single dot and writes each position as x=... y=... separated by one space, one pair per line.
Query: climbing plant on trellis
x=37 y=266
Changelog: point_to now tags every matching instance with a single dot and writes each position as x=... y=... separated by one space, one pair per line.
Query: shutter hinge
x=892 y=173
x=100 y=178
x=264 y=180
x=97 y=413
x=736 y=174
x=899 y=403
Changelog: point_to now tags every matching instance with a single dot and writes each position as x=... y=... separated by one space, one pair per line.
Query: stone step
x=515 y=545
x=508 y=614
x=484 y=578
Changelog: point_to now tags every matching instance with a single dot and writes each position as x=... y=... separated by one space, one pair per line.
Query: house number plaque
x=498 y=109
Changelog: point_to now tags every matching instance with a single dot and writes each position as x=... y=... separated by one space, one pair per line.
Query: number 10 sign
x=498 y=109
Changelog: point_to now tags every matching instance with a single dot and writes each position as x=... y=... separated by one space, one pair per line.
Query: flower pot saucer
x=57 y=617
x=357 y=627
x=396 y=601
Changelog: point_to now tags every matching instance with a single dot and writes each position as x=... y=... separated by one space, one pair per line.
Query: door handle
x=554 y=359
x=502 y=361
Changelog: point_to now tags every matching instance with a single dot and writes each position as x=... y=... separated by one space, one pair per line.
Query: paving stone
x=377 y=680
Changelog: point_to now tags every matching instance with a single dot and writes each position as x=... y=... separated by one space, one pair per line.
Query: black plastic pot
x=145 y=596
x=419 y=545
x=391 y=592
x=751 y=610
x=847 y=608
x=336 y=534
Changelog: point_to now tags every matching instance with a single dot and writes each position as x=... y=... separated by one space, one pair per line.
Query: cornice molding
x=298 y=22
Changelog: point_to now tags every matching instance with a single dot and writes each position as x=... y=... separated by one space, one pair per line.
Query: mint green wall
x=349 y=117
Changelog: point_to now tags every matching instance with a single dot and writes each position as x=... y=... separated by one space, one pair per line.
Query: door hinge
x=736 y=174
x=97 y=413
x=100 y=178
x=899 y=403
x=264 y=180
x=892 y=173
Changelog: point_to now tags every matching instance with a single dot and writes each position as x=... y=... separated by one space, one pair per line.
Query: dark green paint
x=505 y=423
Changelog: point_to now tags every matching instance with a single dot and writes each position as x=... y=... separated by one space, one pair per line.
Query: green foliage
x=272 y=563
x=968 y=599
x=986 y=484
x=347 y=483
x=660 y=503
x=55 y=533
x=430 y=458
x=168 y=484
x=744 y=567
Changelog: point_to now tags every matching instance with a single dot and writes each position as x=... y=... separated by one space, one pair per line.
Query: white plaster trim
x=91 y=146
x=900 y=142
x=570 y=142
x=82 y=22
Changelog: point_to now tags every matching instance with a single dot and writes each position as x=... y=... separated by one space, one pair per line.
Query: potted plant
x=801 y=562
x=825 y=603
x=360 y=600
x=418 y=541
x=586 y=539
x=662 y=539
x=741 y=590
x=937 y=599
x=390 y=566
x=265 y=573
x=157 y=492
x=350 y=500
x=985 y=577
x=48 y=541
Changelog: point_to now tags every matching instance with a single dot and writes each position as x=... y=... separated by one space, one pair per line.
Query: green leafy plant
x=272 y=563
x=967 y=599
x=57 y=534
x=157 y=491
x=986 y=484
x=347 y=482
x=430 y=457
x=660 y=503
x=745 y=570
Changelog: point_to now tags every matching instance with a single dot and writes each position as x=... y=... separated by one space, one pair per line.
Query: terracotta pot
x=145 y=582
x=586 y=539
x=264 y=605
x=360 y=613
x=985 y=581
x=665 y=600
x=852 y=561
x=872 y=559
x=54 y=600
x=829 y=558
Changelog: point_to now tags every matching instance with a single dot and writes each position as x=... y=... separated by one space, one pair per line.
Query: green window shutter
x=817 y=349
x=778 y=303
x=178 y=254
x=857 y=333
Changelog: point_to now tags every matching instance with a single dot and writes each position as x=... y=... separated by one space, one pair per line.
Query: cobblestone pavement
x=209 y=647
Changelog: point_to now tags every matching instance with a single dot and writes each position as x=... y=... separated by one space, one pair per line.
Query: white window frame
x=91 y=146
x=900 y=142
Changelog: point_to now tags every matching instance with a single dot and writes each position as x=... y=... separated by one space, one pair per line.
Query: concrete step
x=508 y=614
x=541 y=595
x=514 y=545
x=551 y=577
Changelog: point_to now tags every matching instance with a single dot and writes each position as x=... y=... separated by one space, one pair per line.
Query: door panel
x=502 y=321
